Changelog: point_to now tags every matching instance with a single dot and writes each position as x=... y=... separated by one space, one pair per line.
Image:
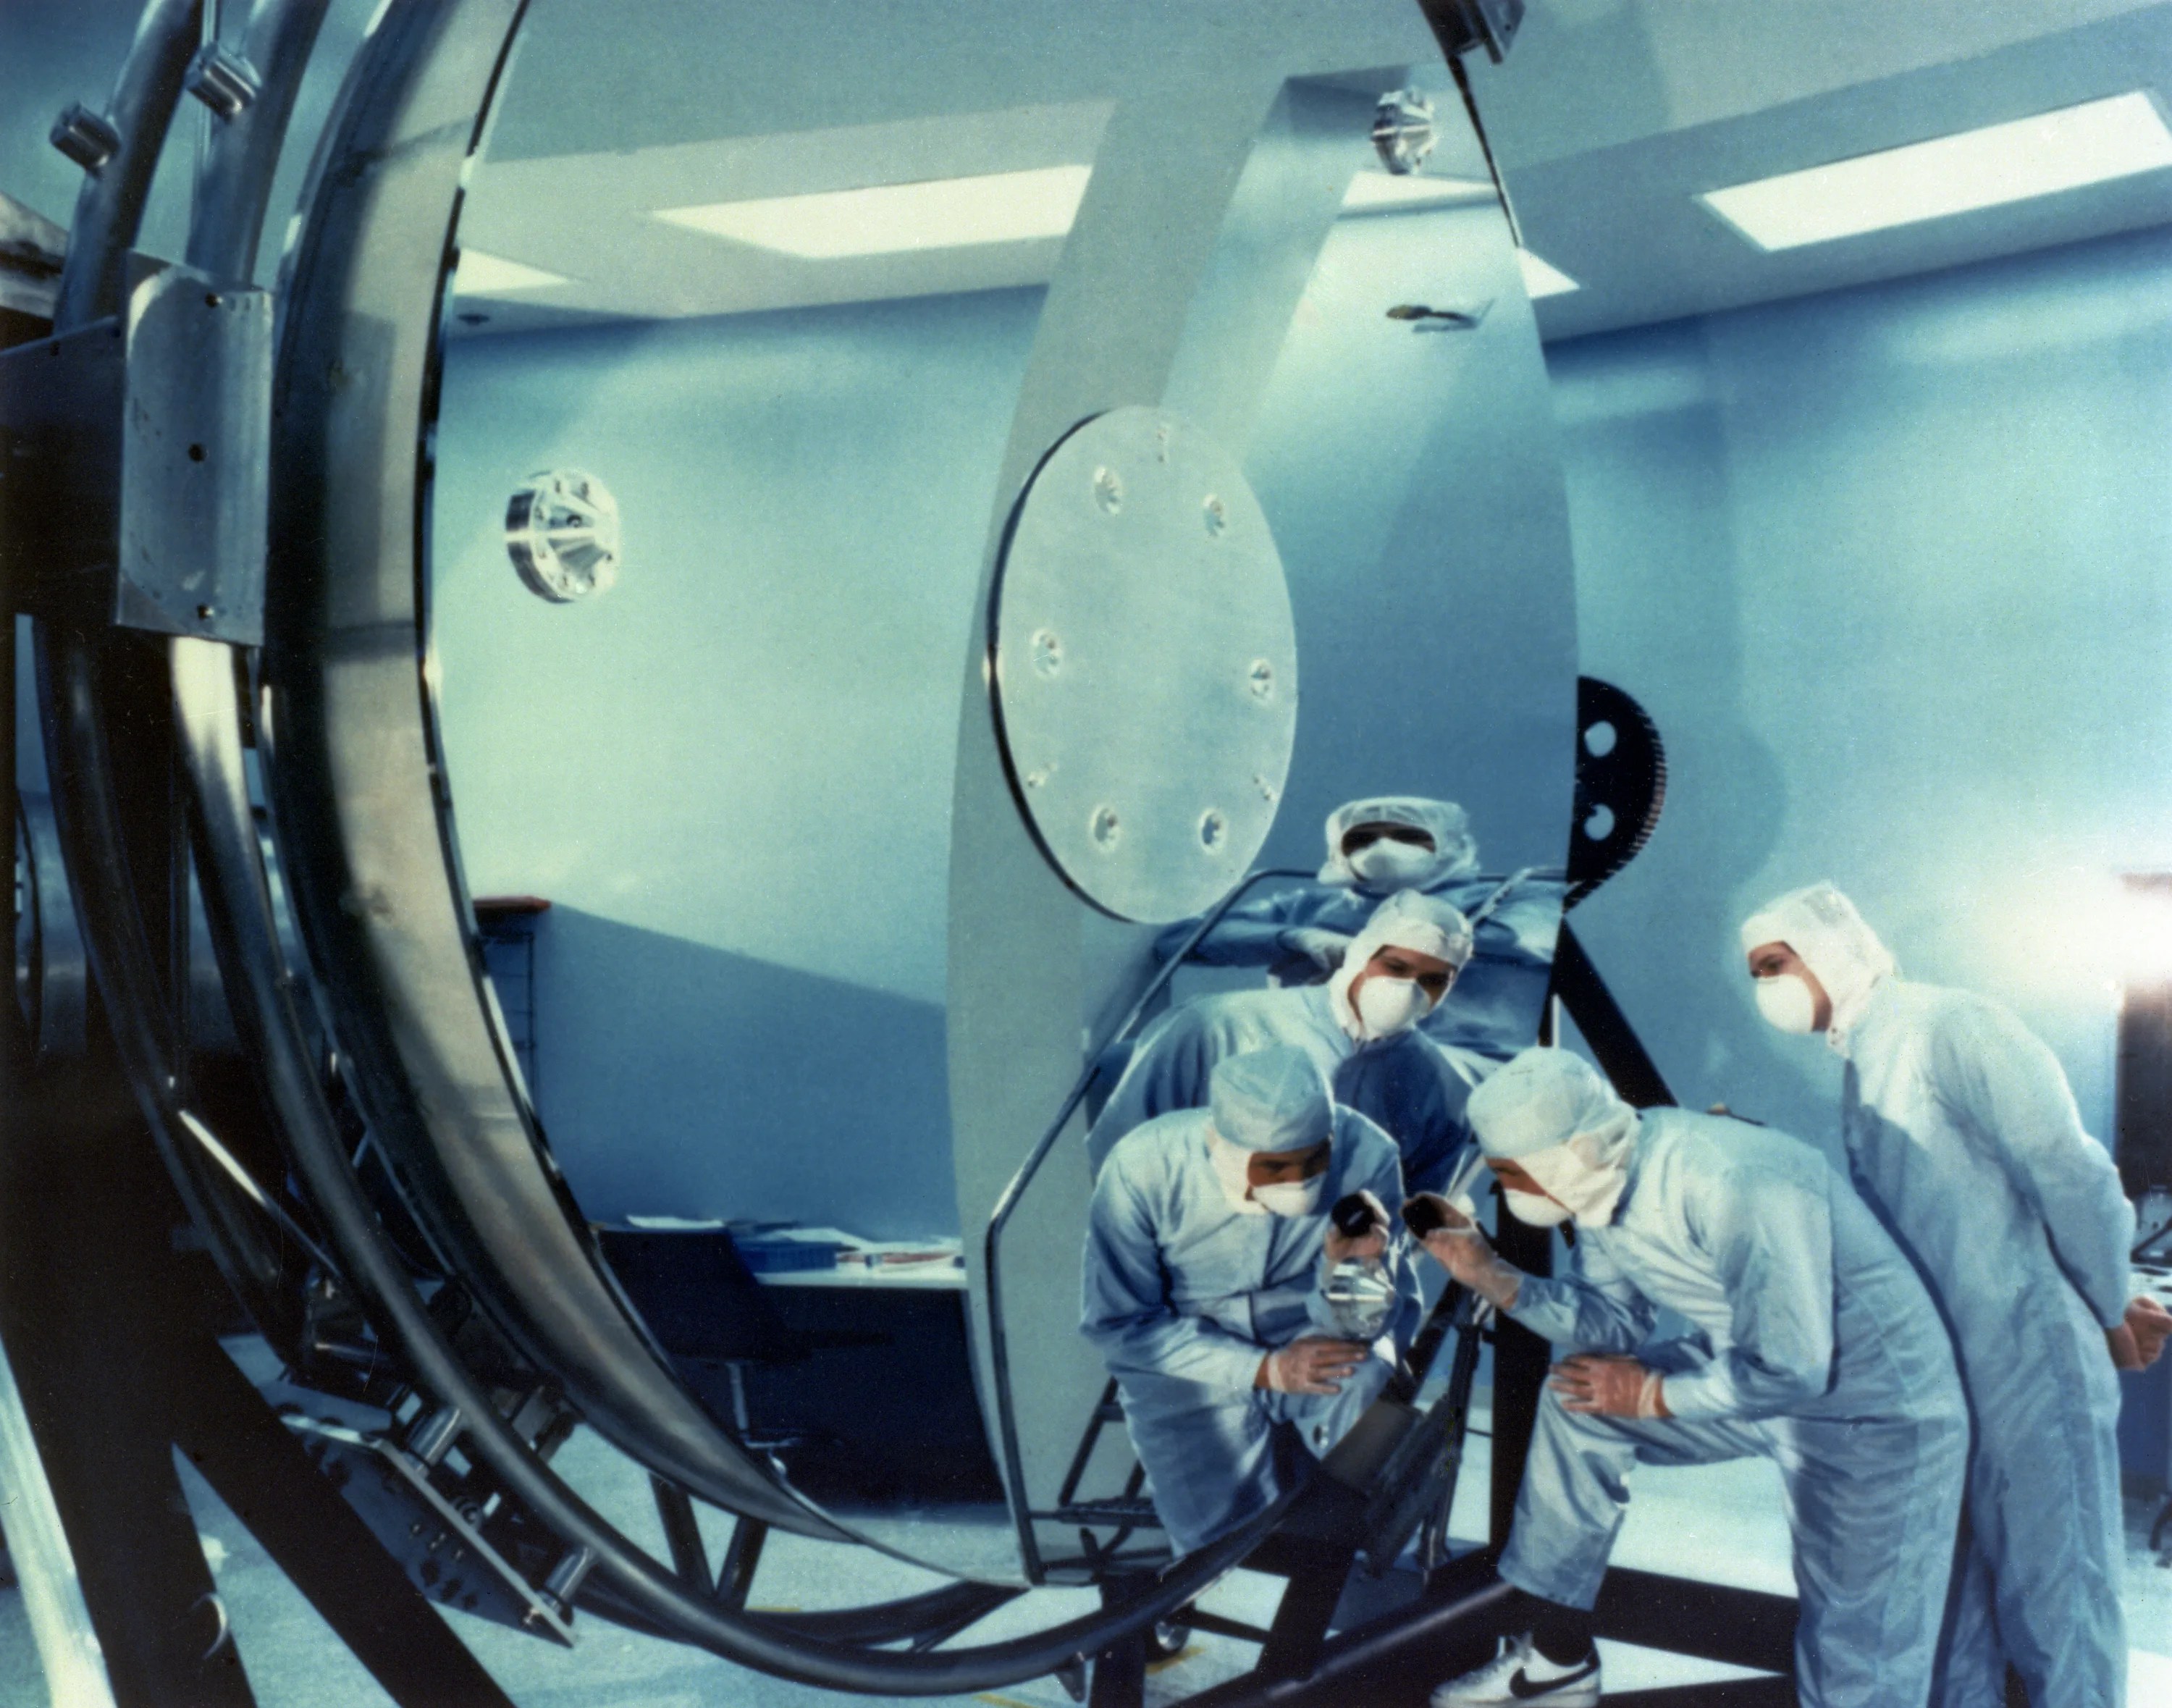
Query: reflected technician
x=1208 y=1249
x=1360 y=1028
x=1385 y=844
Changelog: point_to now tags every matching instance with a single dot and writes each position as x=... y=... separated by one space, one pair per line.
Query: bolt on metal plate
x=223 y=80
x=195 y=459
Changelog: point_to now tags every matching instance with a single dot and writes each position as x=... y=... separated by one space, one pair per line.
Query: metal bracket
x=441 y=1540
x=1461 y=25
x=133 y=463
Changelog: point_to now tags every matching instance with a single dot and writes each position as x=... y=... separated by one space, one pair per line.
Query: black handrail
x=1007 y=1203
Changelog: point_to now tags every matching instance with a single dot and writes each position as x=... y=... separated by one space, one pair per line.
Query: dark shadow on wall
x=680 y=1080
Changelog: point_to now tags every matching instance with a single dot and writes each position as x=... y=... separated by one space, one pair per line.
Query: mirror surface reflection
x=809 y=327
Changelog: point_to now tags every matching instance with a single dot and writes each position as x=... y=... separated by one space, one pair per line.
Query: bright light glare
x=892 y=219
x=2134 y=936
x=2087 y=144
x=2103 y=931
x=1542 y=278
x=482 y=275
x=1385 y=190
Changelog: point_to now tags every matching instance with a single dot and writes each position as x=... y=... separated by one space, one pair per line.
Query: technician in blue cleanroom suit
x=1375 y=848
x=1964 y=1138
x=1816 y=1344
x=1358 y=1026
x=1206 y=1251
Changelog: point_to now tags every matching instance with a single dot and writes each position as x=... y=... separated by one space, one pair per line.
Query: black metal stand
x=111 y=1333
x=1520 y=1362
x=1120 y=1673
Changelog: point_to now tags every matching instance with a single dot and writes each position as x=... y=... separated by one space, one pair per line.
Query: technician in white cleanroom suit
x=1359 y=1028
x=1963 y=1137
x=1206 y=1251
x=1815 y=1345
x=1377 y=847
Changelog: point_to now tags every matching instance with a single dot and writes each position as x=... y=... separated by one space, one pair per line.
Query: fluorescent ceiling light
x=1385 y=190
x=1542 y=278
x=891 y=218
x=482 y=275
x=2062 y=150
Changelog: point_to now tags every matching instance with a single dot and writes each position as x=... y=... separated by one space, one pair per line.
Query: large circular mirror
x=710 y=971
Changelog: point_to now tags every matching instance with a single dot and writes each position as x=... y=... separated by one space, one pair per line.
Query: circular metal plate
x=1145 y=665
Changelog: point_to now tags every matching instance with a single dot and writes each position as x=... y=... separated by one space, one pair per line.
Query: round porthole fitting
x=561 y=532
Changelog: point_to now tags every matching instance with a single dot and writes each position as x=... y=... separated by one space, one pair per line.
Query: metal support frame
x=76 y=1156
x=1014 y=1462
x=1394 y=1658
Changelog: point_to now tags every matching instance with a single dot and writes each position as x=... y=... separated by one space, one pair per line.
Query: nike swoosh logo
x=1520 y=1687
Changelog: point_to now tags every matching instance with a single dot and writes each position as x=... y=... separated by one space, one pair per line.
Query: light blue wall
x=1889 y=568
x=806 y=497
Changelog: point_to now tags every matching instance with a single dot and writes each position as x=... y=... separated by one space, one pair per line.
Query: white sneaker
x=1520 y=1675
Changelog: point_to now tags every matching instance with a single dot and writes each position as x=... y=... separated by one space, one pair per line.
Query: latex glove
x=2136 y=1342
x=1341 y=1246
x=1313 y=1365
x=1609 y=1387
x=1462 y=1248
x=1325 y=949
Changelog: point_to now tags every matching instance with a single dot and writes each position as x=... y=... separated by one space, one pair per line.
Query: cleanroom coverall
x=1817 y=1346
x=1413 y=1090
x=1493 y=1008
x=1964 y=1139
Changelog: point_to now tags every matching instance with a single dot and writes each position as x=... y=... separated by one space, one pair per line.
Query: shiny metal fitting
x=222 y=80
x=85 y=138
x=1403 y=132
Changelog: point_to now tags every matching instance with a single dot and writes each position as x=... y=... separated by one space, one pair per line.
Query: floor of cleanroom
x=1721 y=1523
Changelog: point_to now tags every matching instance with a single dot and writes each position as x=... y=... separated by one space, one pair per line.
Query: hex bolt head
x=85 y=138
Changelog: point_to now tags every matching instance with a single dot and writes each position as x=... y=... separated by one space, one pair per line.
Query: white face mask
x=1388 y=864
x=1534 y=1208
x=1388 y=1005
x=1785 y=1000
x=1290 y=1197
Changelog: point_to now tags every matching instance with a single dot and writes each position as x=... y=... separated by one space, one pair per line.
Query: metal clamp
x=223 y=80
x=86 y=138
